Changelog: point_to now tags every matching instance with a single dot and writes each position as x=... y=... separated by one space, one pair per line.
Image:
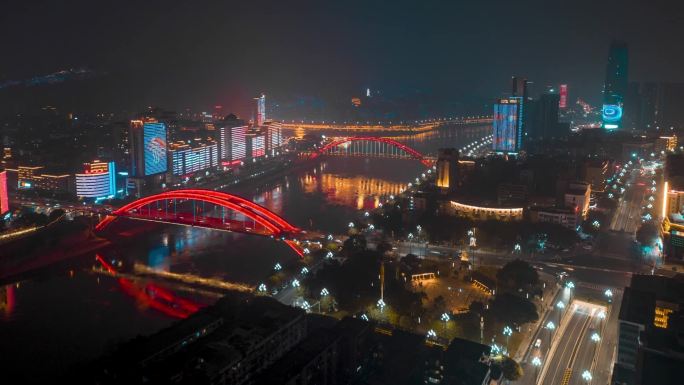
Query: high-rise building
x=274 y=136
x=260 y=110
x=615 y=87
x=519 y=87
x=189 y=158
x=447 y=169
x=4 y=202
x=98 y=180
x=256 y=145
x=650 y=326
x=563 y=92
x=148 y=148
x=232 y=142
x=542 y=117
x=30 y=177
x=508 y=127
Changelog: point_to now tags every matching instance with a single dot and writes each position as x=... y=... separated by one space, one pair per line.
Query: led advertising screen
x=154 y=139
x=505 y=126
x=611 y=114
x=563 y=103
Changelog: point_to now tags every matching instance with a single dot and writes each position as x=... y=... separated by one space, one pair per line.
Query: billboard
x=505 y=125
x=4 y=202
x=563 y=103
x=154 y=141
x=611 y=115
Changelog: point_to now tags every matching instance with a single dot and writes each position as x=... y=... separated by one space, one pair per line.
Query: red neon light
x=563 y=103
x=4 y=202
x=154 y=296
x=417 y=155
x=271 y=221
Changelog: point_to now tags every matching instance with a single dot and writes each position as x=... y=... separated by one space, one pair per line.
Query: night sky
x=199 y=53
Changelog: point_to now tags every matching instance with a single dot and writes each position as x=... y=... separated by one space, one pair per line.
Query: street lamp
x=609 y=294
x=410 y=238
x=262 y=288
x=595 y=337
x=507 y=331
x=536 y=361
x=324 y=292
x=551 y=327
x=560 y=305
x=295 y=283
x=586 y=376
x=381 y=304
x=277 y=267
x=431 y=334
x=602 y=316
x=445 y=317
x=570 y=285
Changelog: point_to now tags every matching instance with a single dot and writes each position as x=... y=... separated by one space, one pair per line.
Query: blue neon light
x=154 y=139
x=611 y=114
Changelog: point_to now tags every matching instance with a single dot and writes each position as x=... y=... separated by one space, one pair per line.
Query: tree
x=647 y=233
x=511 y=369
x=510 y=308
x=517 y=274
x=354 y=244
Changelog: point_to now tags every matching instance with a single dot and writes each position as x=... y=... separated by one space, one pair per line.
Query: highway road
x=627 y=217
x=573 y=350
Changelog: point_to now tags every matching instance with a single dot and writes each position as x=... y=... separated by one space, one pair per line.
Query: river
x=73 y=312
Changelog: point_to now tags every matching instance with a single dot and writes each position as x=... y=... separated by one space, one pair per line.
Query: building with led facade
x=274 y=136
x=233 y=143
x=97 y=181
x=189 y=158
x=260 y=110
x=447 y=169
x=31 y=177
x=148 y=148
x=615 y=87
x=256 y=144
x=508 y=125
x=4 y=202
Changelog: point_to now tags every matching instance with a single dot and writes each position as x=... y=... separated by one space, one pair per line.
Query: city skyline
x=239 y=52
x=338 y=193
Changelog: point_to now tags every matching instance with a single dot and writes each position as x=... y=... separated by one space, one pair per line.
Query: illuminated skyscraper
x=615 y=87
x=519 y=87
x=148 y=148
x=232 y=142
x=256 y=145
x=274 y=136
x=4 y=202
x=260 y=110
x=187 y=159
x=508 y=127
x=447 y=168
x=98 y=180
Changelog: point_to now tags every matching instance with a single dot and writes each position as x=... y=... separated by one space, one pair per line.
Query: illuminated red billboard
x=563 y=96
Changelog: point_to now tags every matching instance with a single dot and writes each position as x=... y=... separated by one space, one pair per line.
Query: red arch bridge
x=373 y=147
x=209 y=209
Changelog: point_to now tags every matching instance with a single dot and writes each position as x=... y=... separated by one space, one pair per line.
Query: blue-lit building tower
x=149 y=159
x=615 y=87
x=508 y=128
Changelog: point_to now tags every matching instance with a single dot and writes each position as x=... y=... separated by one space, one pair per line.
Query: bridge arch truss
x=371 y=147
